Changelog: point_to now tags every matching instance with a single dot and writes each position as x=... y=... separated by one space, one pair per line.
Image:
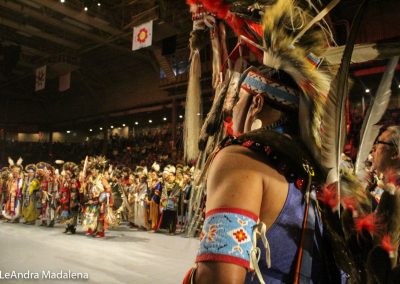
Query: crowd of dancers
x=96 y=195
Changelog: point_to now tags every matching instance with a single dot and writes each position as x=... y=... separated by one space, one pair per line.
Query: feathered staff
x=333 y=122
x=376 y=109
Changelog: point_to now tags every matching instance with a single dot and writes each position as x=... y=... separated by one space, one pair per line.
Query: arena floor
x=124 y=256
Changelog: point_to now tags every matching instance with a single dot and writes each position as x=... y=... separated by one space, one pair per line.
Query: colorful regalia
x=13 y=197
x=31 y=186
x=284 y=117
x=155 y=187
x=169 y=200
x=98 y=200
x=131 y=201
x=142 y=203
x=4 y=175
x=69 y=197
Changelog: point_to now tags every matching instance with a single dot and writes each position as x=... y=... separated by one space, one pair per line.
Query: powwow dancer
x=69 y=197
x=97 y=198
x=260 y=215
x=155 y=187
x=13 y=197
x=31 y=186
x=4 y=176
x=169 y=200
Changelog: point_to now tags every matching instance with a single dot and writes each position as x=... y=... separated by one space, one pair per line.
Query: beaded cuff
x=227 y=236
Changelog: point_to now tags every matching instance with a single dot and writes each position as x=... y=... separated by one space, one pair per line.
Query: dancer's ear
x=257 y=104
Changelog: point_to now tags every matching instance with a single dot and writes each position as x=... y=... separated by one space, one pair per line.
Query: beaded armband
x=227 y=236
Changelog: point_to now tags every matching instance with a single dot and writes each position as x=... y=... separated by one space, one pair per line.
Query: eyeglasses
x=384 y=143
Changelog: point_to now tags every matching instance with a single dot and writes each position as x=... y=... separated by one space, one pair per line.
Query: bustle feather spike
x=334 y=120
x=370 y=129
x=10 y=161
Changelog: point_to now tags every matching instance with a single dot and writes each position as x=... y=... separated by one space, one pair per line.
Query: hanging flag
x=40 y=78
x=142 y=36
x=64 y=82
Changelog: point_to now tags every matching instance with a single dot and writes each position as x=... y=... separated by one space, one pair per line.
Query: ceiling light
x=68 y=131
x=86 y=8
x=398 y=86
x=164 y=118
x=181 y=116
x=150 y=121
x=112 y=126
x=101 y=128
x=367 y=90
x=90 y=129
x=98 y=4
x=62 y=1
x=136 y=123
x=123 y=125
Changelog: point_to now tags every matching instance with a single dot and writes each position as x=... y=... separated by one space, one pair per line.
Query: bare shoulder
x=236 y=180
x=241 y=178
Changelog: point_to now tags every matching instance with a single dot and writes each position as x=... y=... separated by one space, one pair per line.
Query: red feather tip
x=392 y=178
x=217 y=7
x=191 y=2
x=367 y=223
x=228 y=123
x=328 y=195
x=350 y=203
x=386 y=244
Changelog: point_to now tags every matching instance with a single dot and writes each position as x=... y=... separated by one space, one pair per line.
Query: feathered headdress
x=30 y=168
x=98 y=162
x=71 y=167
x=18 y=164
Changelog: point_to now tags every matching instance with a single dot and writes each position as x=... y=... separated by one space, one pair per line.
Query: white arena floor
x=124 y=256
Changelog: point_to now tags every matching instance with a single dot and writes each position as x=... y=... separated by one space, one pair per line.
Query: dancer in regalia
x=155 y=187
x=98 y=198
x=278 y=207
x=31 y=186
x=69 y=197
x=4 y=176
x=13 y=198
x=169 y=200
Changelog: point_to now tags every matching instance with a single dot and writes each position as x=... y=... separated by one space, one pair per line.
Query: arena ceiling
x=93 y=39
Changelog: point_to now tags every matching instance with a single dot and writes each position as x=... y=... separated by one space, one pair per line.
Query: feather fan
x=370 y=129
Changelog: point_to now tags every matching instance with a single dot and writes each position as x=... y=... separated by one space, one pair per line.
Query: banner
x=142 y=36
x=40 y=78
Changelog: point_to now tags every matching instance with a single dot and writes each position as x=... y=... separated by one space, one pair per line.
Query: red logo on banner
x=143 y=34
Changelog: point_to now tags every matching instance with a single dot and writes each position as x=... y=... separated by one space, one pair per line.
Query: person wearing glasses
x=386 y=159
